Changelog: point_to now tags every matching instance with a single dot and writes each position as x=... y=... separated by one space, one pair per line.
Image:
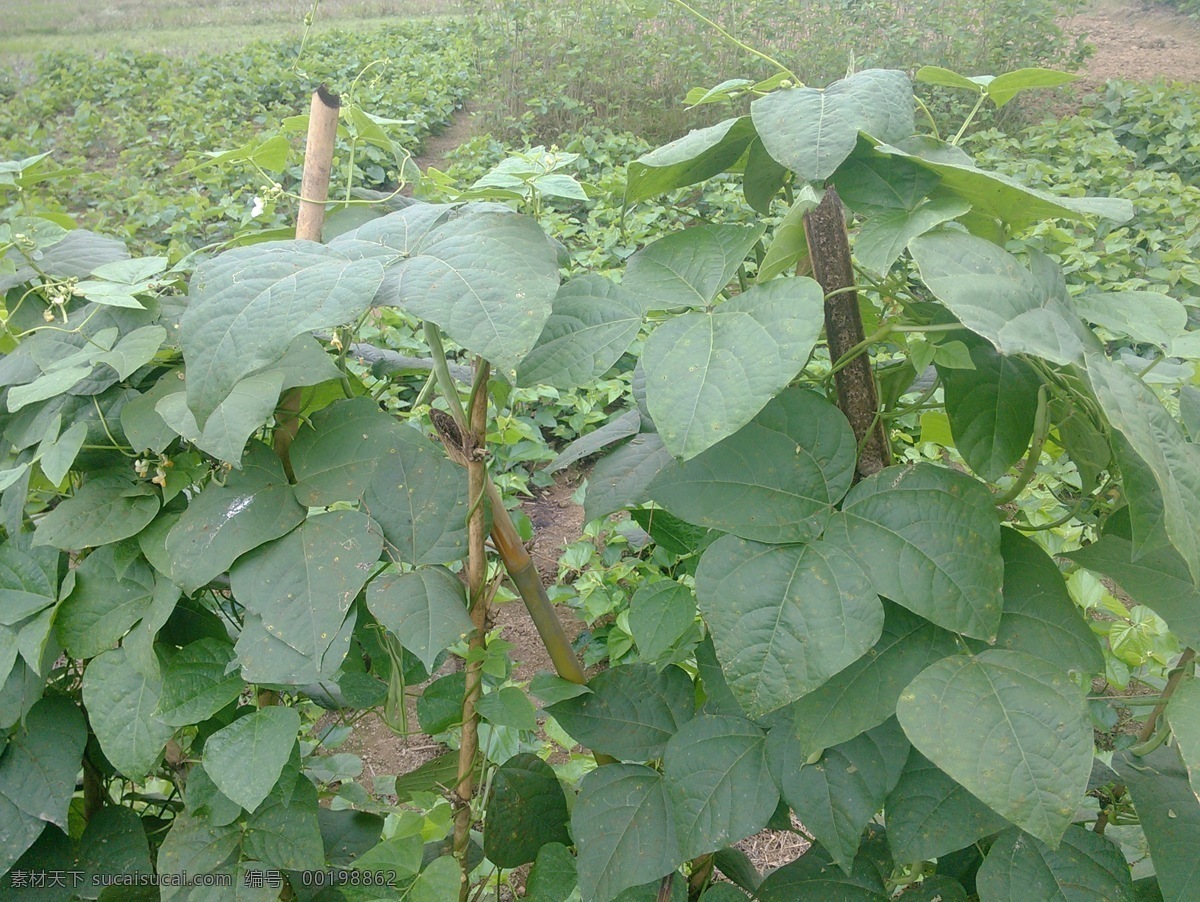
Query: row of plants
x=217 y=516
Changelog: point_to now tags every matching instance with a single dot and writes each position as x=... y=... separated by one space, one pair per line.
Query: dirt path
x=1137 y=41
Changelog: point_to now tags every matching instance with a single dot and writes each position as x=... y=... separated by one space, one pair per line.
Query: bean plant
x=878 y=654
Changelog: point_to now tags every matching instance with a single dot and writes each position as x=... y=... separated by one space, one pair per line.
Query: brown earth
x=1137 y=41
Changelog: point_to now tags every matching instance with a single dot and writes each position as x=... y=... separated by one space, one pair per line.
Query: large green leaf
x=837 y=795
x=526 y=809
x=1157 y=578
x=246 y=758
x=425 y=609
x=28 y=582
x=195 y=846
x=223 y=522
x=631 y=712
x=989 y=290
x=1156 y=437
x=740 y=485
x=110 y=596
x=709 y=372
x=39 y=766
x=688 y=268
x=419 y=499
x=884 y=236
x=198 y=682
x=284 y=833
x=991 y=410
x=1012 y=729
x=242 y=412
x=698 y=155
x=1039 y=617
x=265 y=658
x=621 y=479
x=247 y=306
x=624 y=830
x=718 y=782
x=114 y=844
x=1085 y=866
x=121 y=704
x=659 y=614
x=487 y=277
x=814 y=876
x=1144 y=316
x=1183 y=714
x=109 y=507
x=784 y=618
x=552 y=877
x=811 y=131
x=592 y=323
x=864 y=694
x=302 y=585
x=621 y=426
x=1000 y=196
x=929 y=538
x=335 y=456
x=1170 y=817
x=929 y=815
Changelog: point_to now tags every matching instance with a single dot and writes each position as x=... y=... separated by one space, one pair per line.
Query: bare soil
x=1137 y=41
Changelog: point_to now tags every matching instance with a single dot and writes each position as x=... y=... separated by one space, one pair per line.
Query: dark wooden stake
x=858 y=399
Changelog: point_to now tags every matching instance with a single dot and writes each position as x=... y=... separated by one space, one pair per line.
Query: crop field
x=725 y=451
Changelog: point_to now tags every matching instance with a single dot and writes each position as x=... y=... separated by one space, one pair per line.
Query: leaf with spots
x=425 y=608
x=335 y=456
x=246 y=758
x=1085 y=866
x=526 y=809
x=688 y=268
x=1012 y=729
x=709 y=372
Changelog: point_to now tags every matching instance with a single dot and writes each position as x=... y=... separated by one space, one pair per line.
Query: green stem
x=928 y=115
x=727 y=36
x=449 y=388
x=970 y=118
x=1041 y=427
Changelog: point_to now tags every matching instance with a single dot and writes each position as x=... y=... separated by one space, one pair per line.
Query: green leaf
x=194 y=846
x=936 y=75
x=246 y=307
x=134 y=350
x=929 y=815
x=28 y=582
x=624 y=830
x=57 y=458
x=1039 y=617
x=419 y=499
x=1144 y=316
x=508 y=707
x=243 y=411
x=40 y=763
x=631 y=712
x=121 y=704
x=784 y=618
x=836 y=796
x=113 y=845
x=697 y=156
x=108 y=598
x=552 y=877
x=989 y=290
x=864 y=694
x=1170 y=817
x=870 y=181
x=440 y=705
x=999 y=196
x=991 y=409
x=347 y=834
x=592 y=323
x=814 y=876
x=424 y=608
x=621 y=479
x=198 y=681
x=811 y=131
x=762 y=179
x=884 y=236
x=659 y=614
x=526 y=809
x=284 y=832
x=1085 y=866
x=1004 y=88
x=708 y=373
x=487 y=278
x=302 y=585
x=929 y=539
x=789 y=245
x=1183 y=714
x=1134 y=411
x=335 y=455
x=50 y=385
x=621 y=426
x=246 y=758
x=549 y=688
x=688 y=268
x=439 y=881
x=223 y=522
x=1012 y=729
x=108 y=508
x=739 y=485
x=717 y=779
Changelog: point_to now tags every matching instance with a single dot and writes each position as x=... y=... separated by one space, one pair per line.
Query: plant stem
x=727 y=36
x=1177 y=674
x=970 y=118
x=1041 y=427
x=477 y=482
